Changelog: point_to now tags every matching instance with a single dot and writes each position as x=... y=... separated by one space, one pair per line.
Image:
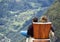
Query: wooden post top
x=42 y=23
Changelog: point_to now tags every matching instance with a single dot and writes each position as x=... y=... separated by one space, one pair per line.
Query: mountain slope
x=54 y=14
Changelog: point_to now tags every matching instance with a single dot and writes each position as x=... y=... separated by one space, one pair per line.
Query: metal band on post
x=41 y=40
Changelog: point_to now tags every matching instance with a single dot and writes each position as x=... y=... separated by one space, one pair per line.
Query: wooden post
x=41 y=31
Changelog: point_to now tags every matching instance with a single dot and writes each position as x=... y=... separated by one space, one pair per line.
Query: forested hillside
x=54 y=14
